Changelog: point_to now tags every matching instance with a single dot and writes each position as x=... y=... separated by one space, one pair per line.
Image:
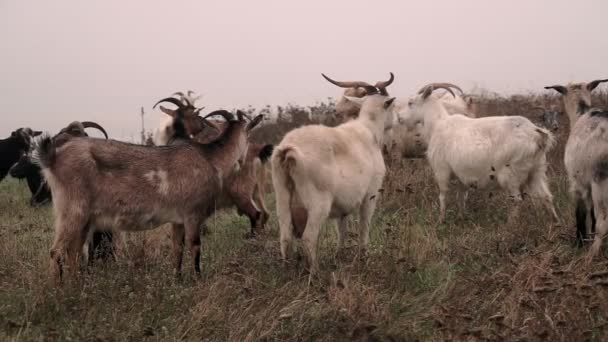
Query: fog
x=82 y=60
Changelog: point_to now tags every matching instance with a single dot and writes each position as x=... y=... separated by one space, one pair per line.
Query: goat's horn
x=444 y=85
x=384 y=84
x=591 y=85
x=429 y=88
x=170 y=100
x=223 y=113
x=91 y=124
x=353 y=84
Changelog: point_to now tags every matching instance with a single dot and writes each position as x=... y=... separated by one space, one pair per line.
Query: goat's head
x=77 y=129
x=346 y=109
x=413 y=114
x=549 y=118
x=235 y=135
x=23 y=137
x=576 y=97
x=186 y=112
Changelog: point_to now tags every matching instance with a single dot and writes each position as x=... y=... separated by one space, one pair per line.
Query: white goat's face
x=410 y=114
x=376 y=107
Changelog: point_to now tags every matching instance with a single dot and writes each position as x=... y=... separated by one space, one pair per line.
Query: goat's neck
x=375 y=125
x=225 y=152
x=434 y=112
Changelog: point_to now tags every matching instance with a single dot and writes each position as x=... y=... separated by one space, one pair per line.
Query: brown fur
x=133 y=187
x=245 y=189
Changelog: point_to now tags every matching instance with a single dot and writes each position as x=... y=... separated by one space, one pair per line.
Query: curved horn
x=443 y=85
x=384 y=84
x=591 y=85
x=170 y=100
x=429 y=88
x=559 y=88
x=223 y=113
x=353 y=84
x=91 y=124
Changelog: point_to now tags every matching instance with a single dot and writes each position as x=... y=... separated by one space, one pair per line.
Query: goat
x=321 y=172
x=100 y=245
x=13 y=147
x=245 y=190
x=576 y=98
x=26 y=169
x=107 y=183
x=508 y=150
x=548 y=118
x=586 y=162
x=407 y=142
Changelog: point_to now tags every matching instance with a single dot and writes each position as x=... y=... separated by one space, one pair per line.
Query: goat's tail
x=545 y=139
x=266 y=152
x=45 y=152
x=284 y=160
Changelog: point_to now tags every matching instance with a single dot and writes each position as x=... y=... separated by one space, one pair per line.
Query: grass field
x=475 y=278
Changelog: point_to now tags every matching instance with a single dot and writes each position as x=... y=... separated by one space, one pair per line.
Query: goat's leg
x=599 y=191
x=177 y=244
x=70 y=235
x=514 y=213
x=443 y=181
x=341 y=229
x=246 y=206
x=258 y=199
x=538 y=188
x=462 y=195
x=365 y=214
x=193 y=239
x=310 y=237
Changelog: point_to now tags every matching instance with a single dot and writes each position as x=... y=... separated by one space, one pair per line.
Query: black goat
x=13 y=147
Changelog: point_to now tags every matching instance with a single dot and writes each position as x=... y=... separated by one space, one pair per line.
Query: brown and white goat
x=106 y=183
x=246 y=188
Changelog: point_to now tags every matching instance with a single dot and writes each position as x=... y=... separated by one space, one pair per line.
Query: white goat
x=584 y=158
x=586 y=161
x=407 y=142
x=509 y=150
x=321 y=172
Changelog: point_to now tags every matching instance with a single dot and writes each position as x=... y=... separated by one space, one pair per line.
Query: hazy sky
x=70 y=60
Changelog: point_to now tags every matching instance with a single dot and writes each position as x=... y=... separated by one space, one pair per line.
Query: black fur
x=581 y=220
x=11 y=150
x=599 y=113
x=25 y=169
x=101 y=246
x=266 y=152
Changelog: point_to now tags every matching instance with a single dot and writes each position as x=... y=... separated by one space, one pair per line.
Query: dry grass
x=475 y=278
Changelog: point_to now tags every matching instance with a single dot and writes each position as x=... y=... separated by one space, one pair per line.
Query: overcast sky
x=65 y=60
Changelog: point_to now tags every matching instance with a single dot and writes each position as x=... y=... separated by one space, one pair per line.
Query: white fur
x=406 y=141
x=507 y=150
x=586 y=150
x=331 y=172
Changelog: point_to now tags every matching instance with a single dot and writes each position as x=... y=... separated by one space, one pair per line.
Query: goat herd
x=201 y=164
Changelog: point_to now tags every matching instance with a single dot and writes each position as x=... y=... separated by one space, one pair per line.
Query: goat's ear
x=593 y=84
x=36 y=133
x=171 y=112
x=389 y=102
x=358 y=101
x=254 y=122
x=560 y=89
